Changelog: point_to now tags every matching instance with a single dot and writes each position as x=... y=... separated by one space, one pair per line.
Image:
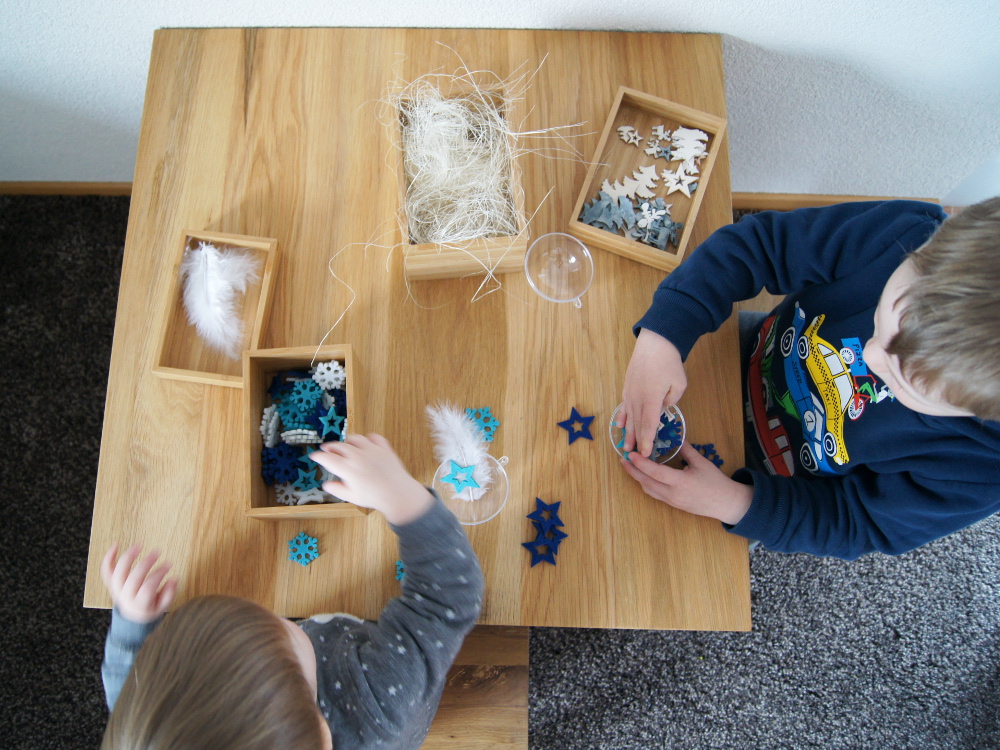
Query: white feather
x=458 y=438
x=214 y=283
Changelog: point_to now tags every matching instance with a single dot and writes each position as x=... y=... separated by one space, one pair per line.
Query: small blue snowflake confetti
x=581 y=431
x=709 y=452
x=303 y=549
x=400 y=570
x=485 y=420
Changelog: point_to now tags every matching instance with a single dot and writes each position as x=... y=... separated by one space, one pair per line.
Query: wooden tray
x=615 y=159
x=505 y=254
x=258 y=368
x=182 y=354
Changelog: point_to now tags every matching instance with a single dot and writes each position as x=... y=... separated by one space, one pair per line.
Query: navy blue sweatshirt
x=849 y=470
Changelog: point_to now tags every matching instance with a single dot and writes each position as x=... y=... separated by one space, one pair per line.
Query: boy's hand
x=372 y=476
x=701 y=488
x=139 y=592
x=655 y=378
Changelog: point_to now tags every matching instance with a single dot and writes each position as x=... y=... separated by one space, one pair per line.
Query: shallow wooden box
x=504 y=254
x=183 y=355
x=259 y=366
x=615 y=159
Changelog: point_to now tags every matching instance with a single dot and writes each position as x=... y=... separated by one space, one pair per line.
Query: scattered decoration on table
x=485 y=420
x=709 y=452
x=545 y=522
x=458 y=439
x=630 y=135
x=303 y=549
x=570 y=425
x=400 y=570
x=214 y=281
x=304 y=412
x=548 y=536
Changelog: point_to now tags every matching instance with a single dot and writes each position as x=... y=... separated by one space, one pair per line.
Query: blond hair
x=219 y=672
x=949 y=330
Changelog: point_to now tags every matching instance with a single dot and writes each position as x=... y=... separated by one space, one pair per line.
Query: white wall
x=893 y=97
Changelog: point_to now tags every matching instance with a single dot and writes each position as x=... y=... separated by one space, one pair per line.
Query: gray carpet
x=879 y=653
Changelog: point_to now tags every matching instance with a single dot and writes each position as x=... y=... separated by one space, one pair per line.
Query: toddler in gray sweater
x=223 y=672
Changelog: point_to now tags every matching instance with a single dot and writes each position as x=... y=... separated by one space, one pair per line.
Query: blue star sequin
x=577 y=432
x=557 y=535
x=307 y=481
x=536 y=547
x=538 y=515
x=332 y=424
x=460 y=477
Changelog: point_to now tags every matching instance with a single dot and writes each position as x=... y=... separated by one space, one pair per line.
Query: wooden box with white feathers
x=190 y=349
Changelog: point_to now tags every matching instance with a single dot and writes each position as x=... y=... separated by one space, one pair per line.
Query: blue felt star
x=307 y=481
x=332 y=424
x=577 y=432
x=537 y=555
x=538 y=515
x=554 y=540
x=460 y=477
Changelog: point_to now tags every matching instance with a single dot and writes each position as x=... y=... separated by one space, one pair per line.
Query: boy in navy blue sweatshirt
x=872 y=390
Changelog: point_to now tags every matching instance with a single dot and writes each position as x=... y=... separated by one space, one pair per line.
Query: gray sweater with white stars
x=379 y=683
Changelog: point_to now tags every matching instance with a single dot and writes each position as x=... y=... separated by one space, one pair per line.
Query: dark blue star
x=536 y=555
x=553 y=541
x=577 y=432
x=538 y=515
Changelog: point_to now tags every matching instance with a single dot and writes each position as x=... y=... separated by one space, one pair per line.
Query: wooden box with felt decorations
x=217 y=305
x=294 y=399
x=646 y=181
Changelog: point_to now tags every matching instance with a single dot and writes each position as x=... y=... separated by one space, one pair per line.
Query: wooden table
x=273 y=133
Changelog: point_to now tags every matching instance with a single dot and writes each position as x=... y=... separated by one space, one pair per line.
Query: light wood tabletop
x=273 y=133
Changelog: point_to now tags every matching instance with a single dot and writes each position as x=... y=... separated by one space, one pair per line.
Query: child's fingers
x=108 y=565
x=653 y=470
x=123 y=567
x=380 y=441
x=151 y=585
x=139 y=573
x=166 y=596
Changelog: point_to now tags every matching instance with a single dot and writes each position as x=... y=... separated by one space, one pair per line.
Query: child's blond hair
x=949 y=331
x=219 y=672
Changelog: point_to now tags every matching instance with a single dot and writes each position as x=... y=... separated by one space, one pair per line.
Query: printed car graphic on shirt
x=822 y=421
x=771 y=435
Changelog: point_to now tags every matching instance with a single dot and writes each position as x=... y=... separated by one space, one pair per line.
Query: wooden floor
x=485 y=703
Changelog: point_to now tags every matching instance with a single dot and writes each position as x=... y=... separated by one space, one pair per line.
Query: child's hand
x=372 y=476
x=655 y=378
x=701 y=488
x=139 y=593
